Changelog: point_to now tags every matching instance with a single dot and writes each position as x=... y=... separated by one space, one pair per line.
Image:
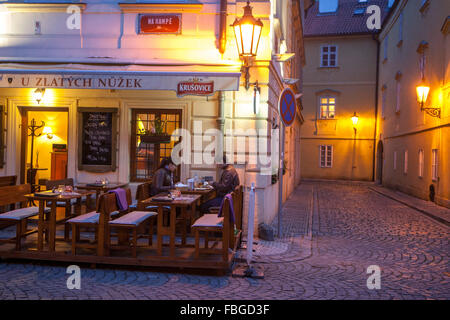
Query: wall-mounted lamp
x=355 y=119
x=247 y=31
x=38 y=94
x=48 y=131
x=422 y=91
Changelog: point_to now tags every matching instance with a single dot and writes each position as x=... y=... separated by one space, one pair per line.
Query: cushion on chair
x=22 y=213
x=209 y=220
x=91 y=217
x=133 y=218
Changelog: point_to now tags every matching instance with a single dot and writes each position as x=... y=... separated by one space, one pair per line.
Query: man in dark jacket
x=229 y=180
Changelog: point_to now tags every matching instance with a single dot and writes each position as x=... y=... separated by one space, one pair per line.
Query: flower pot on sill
x=163 y=138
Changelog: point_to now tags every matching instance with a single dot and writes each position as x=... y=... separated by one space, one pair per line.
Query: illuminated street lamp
x=355 y=119
x=422 y=91
x=247 y=31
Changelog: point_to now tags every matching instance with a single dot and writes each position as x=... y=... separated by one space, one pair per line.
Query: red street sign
x=160 y=23
x=287 y=107
x=195 y=88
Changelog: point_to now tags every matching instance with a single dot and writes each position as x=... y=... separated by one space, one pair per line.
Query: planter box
x=165 y=138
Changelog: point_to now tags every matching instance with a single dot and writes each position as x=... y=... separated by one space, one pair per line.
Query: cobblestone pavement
x=331 y=233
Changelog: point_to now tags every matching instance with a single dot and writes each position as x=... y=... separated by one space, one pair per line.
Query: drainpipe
x=223 y=26
x=375 y=38
x=221 y=125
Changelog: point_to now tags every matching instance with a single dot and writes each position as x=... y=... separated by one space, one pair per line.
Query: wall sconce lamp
x=355 y=119
x=247 y=31
x=422 y=91
x=38 y=94
x=48 y=131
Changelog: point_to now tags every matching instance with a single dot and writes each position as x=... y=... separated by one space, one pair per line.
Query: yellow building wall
x=412 y=129
x=353 y=84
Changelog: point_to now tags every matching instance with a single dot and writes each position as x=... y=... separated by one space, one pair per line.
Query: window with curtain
x=146 y=157
x=434 y=164
x=421 y=162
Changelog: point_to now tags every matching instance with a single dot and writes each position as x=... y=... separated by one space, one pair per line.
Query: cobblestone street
x=332 y=232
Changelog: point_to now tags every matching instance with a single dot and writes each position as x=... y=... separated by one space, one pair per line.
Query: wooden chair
x=97 y=220
x=12 y=195
x=213 y=223
x=8 y=181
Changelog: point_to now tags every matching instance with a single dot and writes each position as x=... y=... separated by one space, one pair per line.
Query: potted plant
x=156 y=134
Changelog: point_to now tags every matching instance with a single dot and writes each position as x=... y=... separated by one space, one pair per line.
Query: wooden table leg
x=184 y=225
x=52 y=227
x=172 y=227
x=68 y=212
x=160 y=229
x=40 y=244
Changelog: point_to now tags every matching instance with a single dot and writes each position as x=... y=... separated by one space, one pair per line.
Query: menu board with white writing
x=97 y=133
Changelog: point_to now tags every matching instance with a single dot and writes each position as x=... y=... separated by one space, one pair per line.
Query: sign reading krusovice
x=195 y=88
x=160 y=23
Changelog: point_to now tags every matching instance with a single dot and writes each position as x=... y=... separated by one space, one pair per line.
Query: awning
x=185 y=79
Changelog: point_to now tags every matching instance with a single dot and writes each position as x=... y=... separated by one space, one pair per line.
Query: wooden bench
x=213 y=223
x=8 y=181
x=12 y=195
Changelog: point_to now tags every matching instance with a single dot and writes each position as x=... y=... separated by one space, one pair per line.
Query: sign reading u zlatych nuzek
x=160 y=23
x=195 y=88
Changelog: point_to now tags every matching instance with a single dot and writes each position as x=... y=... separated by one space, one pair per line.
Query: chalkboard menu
x=97 y=139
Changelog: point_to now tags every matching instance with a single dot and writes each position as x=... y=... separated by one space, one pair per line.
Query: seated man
x=229 y=180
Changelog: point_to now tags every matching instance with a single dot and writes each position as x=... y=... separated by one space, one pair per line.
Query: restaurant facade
x=105 y=83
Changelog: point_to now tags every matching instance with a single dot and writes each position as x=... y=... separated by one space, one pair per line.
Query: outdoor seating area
x=99 y=223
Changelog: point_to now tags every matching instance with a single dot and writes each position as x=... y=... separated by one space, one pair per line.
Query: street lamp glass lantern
x=38 y=94
x=355 y=119
x=422 y=93
x=247 y=31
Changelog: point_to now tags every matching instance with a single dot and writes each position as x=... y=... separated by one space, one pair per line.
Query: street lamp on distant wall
x=247 y=31
x=422 y=91
x=355 y=119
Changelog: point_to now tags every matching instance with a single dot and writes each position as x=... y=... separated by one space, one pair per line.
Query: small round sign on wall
x=287 y=107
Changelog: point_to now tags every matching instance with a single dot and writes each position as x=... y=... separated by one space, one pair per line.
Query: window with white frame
x=328 y=56
x=434 y=164
x=326 y=156
x=395 y=160
x=327 y=107
x=421 y=162
x=405 y=162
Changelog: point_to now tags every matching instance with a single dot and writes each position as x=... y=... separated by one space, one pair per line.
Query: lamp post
x=247 y=31
x=422 y=91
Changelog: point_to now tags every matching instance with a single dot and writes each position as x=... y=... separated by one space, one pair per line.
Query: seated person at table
x=163 y=178
x=229 y=180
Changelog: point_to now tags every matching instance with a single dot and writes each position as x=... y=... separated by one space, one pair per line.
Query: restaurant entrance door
x=43 y=153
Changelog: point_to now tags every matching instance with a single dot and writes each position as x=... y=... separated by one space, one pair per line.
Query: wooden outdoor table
x=47 y=221
x=183 y=203
x=101 y=188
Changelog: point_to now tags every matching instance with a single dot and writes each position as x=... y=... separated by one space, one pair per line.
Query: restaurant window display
x=150 y=140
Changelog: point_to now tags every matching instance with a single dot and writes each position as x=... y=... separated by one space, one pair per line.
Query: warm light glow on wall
x=48 y=131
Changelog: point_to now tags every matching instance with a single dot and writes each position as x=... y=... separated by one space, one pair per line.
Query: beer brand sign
x=160 y=23
x=195 y=88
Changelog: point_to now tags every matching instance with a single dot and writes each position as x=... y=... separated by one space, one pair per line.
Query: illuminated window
x=328 y=56
x=327 y=107
x=405 y=162
x=421 y=162
x=146 y=156
x=434 y=164
x=326 y=156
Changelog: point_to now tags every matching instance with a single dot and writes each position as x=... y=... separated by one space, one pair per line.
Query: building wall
x=109 y=35
x=410 y=129
x=352 y=83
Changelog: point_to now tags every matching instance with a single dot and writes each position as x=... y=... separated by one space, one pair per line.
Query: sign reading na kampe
x=160 y=23
x=195 y=88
